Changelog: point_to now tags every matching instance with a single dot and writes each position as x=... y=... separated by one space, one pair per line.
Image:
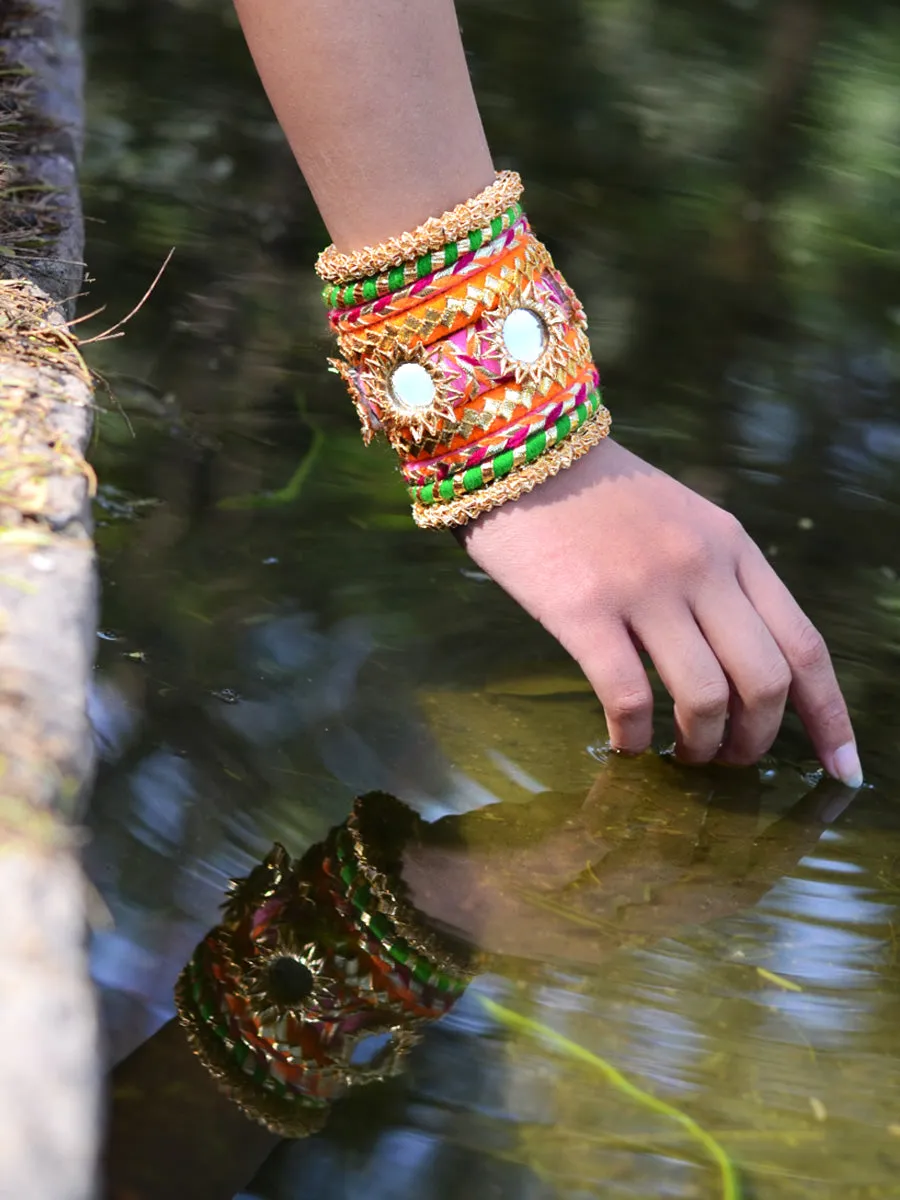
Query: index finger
x=815 y=692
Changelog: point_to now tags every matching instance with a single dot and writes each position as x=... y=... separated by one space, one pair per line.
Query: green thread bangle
x=365 y=290
x=357 y=892
x=505 y=462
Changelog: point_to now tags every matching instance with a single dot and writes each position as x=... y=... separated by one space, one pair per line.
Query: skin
x=631 y=862
x=611 y=556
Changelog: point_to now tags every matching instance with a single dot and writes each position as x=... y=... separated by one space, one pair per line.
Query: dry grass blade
x=112 y=331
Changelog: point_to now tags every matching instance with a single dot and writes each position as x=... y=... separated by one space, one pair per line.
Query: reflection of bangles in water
x=323 y=972
x=319 y=975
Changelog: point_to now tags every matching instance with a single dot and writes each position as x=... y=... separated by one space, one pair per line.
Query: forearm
x=375 y=99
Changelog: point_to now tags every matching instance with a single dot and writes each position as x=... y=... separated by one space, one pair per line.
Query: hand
x=612 y=557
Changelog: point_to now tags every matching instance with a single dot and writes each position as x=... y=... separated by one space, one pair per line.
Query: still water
x=718 y=181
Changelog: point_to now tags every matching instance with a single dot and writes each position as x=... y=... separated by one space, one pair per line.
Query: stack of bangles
x=314 y=959
x=464 y=345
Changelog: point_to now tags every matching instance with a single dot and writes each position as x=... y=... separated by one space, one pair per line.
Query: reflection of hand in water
x=569 y=879
x=324 y=971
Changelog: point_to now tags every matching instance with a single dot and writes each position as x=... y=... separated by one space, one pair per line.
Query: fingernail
x=846 y=766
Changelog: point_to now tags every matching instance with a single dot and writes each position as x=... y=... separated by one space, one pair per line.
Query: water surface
x=719 y=184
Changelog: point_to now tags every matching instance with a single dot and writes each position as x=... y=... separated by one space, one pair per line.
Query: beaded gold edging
x=431 y=945
x=290 y=1118
x=433 y=234
x=558 y=458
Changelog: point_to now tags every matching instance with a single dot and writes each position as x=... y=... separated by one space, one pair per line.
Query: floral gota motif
x=486 y=356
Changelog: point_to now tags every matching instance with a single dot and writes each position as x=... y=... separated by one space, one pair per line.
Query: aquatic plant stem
x=513 y=1020
x=290 y=493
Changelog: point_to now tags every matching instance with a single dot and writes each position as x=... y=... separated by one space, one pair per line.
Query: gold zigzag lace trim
x=288 y=1117
x=422 y=323
x=504 y=407
x=554 y=460
x=377 y=312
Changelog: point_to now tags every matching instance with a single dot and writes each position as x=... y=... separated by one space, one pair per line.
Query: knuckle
x=580 y=606
x=698 y=548
x=710 y=699
x=809 y=652
x=769 y=690
x=690 y=550
x=629 y=704
x=730 y=527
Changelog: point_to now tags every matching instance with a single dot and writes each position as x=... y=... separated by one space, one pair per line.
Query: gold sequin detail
x=400 y=421
x=287 y=1116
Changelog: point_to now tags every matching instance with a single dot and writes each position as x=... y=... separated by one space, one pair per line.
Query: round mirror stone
x=524 y=335
x=289 y=980
x=412 y=386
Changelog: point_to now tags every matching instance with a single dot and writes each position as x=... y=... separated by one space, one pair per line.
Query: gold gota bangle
x=558 y=458
x=286 y=1116
x=448 y=310
x=432 y=235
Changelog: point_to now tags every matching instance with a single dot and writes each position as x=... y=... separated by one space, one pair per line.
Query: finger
x=617 y=675
x=693 y=678
x=814 y=689
x=760 y=677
